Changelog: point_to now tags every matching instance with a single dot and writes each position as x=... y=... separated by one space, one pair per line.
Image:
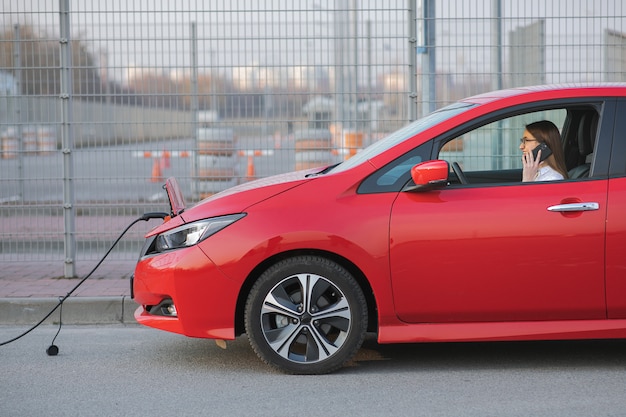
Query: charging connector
x=153 y=215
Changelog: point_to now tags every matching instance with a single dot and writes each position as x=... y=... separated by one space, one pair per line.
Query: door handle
x=589 y=206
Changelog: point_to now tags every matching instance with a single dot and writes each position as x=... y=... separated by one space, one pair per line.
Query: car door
x=500 y=252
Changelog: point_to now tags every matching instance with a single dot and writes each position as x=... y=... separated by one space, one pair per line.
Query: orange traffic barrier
x=217 y=164
x=352 y=143
x=10 y=147
x=313 y=148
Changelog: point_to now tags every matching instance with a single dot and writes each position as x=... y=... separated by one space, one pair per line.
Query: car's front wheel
x=306 y=315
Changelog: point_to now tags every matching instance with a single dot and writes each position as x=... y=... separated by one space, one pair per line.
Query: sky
x=155 y=34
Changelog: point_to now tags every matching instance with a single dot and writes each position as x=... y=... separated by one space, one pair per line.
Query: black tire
x=306 y=332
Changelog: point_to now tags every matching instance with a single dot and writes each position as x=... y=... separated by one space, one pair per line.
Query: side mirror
x=429 y=175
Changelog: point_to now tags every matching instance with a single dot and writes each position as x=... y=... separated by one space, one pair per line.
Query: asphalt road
x=136 y=371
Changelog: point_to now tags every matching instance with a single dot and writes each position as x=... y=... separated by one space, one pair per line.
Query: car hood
x=239 y=198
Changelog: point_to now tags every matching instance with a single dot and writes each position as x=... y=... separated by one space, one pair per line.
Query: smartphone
x=545 y=151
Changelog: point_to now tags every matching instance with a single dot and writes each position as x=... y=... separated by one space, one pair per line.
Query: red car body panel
x=472 y=274
x=181 y=275
x=504 y=331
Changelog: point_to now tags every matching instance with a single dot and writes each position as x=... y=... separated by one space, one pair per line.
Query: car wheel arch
x=358 y=275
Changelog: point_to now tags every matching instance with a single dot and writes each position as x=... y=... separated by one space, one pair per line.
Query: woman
x=553 y=167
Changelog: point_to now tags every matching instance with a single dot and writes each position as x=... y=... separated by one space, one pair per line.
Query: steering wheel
x=459 y=173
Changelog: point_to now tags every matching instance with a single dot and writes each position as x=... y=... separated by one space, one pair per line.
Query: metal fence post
x=496 y=64
x=195 y=108
x=17 y=66
x=67 y=141
x=412 y=49
x=429 y=70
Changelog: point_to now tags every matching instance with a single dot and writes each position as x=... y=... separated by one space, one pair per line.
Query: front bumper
x=204 y=299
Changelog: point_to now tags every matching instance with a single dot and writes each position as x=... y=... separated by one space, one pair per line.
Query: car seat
x=586 y=139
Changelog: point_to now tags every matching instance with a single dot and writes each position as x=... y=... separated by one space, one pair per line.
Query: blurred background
x=101 y=101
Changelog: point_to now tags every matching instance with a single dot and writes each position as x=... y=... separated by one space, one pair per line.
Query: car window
x=490 y=153
x=403 y=134
x=393 y=176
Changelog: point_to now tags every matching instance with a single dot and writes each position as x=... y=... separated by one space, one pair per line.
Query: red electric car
x=428 y=235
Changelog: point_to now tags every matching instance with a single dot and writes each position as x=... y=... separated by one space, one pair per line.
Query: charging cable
x=53 y=350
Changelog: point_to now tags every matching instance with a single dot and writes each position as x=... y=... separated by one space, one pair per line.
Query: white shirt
x=547 y=173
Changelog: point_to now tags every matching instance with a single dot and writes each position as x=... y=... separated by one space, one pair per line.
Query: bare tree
x=39 y=64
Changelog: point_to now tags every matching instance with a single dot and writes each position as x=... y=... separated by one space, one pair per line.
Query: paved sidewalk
x=45 y=279
x=30 y=289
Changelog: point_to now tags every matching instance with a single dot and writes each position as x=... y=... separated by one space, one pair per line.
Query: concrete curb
x=76 y=310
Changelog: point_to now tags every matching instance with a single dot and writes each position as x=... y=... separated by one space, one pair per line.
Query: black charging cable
x=53 y=350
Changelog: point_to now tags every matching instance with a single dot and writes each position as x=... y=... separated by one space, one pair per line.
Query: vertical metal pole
x=370 y=98
x=339 y=34
x=194 y=108
x=496 y=40
x=214 y=106
x=355 y=65
x=412 y=104
x=428 y=59
x=267 y=105
x=19 y=132
x=497 y=146
x=67 y=140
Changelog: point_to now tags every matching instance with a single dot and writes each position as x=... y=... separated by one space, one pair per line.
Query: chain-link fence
x=100 y=101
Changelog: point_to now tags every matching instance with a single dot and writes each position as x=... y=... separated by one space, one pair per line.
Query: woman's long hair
x=545 y=131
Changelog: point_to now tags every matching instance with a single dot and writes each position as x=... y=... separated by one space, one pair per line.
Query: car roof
x=552 y=91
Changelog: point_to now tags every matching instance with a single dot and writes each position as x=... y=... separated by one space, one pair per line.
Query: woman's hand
x=530 y=166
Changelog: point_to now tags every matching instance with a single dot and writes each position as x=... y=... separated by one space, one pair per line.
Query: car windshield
x=403 y=134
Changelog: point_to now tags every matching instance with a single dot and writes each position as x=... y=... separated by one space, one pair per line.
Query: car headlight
x=193 y=233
